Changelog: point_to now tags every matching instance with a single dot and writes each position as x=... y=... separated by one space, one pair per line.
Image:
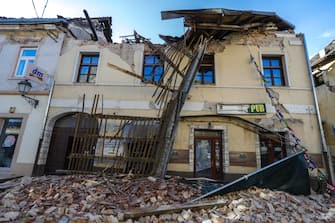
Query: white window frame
x=26 y=59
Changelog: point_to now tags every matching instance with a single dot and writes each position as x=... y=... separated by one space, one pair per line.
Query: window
x=27 y=55
x=272 y=147
x=273 y=71
x=205 y=74
x=88 y=68
x=153 y=67
x=9 y=133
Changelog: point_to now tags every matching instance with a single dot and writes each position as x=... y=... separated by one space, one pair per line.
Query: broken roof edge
x=174 y=14
x=32 y=21
x=318 y=60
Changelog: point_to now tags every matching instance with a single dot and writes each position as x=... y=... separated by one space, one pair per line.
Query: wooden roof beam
x=206 y=26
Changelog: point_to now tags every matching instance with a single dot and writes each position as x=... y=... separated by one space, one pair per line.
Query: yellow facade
x=236 y=82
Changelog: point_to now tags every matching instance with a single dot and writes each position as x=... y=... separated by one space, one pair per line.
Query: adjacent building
x=31 y=47
x=323 y=65
x=250 y=104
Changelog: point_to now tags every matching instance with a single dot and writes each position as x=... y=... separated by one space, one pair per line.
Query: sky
x=314 y=18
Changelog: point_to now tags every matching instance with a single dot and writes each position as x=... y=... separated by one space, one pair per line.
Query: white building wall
x=48 y=51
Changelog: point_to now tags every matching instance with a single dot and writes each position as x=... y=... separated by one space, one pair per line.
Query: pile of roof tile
x=81 y=198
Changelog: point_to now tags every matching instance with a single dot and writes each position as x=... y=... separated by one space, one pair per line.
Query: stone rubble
x=79 y=198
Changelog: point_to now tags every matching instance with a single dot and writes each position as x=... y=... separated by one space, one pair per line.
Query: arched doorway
x=62 y=140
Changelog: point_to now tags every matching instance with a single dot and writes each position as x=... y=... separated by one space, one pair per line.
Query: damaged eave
x=32 y=24
x=228 y=20
x=209 y=26
x=323 y=61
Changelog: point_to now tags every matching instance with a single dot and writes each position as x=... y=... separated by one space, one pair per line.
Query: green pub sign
x=257 y=108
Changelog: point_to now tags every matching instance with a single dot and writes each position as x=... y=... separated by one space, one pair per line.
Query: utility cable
x=46 y=4
x=35 y=8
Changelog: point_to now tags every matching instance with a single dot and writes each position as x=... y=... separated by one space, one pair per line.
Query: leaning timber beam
x=165 y=58
x=170 y=117
x=174 y=209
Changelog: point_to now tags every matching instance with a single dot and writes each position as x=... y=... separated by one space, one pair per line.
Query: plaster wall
x=237 y=81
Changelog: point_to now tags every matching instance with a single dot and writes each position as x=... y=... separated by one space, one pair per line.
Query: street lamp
x=24 y=88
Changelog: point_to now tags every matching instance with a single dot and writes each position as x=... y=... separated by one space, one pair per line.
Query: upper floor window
x=273 y=71
x=153 y=67
x=27 y=55
x=205 y=74
x=88 y=68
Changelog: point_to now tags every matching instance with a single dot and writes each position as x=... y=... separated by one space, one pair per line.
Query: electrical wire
x=35 y=8
x=46 y=4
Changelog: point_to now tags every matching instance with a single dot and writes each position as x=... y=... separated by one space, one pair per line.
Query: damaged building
x=30 y=49
x=221 y=101
x=225 y=126
x=322 y=65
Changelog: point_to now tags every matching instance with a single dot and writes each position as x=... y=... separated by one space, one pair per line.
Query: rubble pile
x=66 y=199
x=50 y=198
x=263 y=205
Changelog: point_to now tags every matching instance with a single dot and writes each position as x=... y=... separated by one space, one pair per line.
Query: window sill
x=16 y=78
x=278 y=87
x=204 y=85
x=84 y=84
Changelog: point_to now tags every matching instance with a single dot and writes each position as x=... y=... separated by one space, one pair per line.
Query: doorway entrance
x=9 y=133
x=208 y=156
x=61 y=142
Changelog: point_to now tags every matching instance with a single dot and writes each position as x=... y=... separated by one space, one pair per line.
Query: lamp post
x=24 y=88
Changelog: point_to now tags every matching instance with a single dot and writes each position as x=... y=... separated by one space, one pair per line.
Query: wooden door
x=208 y=160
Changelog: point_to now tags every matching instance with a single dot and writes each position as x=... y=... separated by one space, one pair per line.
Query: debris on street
x=82 y=198
x=50 y=198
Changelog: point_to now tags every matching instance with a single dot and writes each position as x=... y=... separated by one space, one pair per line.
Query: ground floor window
x=9 y=132
x=273 y=147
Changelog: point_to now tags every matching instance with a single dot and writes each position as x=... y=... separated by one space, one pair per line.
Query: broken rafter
x=213 y=26
x=206 y=26
x=94 y=33
x=164 y=57
x=170 y=117
x=139 y=77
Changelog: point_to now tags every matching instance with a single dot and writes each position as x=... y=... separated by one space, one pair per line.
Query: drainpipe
x=36 y=170
x=326 y=154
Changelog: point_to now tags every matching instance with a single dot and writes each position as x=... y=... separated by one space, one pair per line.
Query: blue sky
x=314 y=18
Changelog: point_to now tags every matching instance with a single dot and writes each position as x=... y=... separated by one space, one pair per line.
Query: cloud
x=328 y=34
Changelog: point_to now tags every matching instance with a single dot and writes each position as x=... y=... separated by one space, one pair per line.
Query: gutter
x=326 y=154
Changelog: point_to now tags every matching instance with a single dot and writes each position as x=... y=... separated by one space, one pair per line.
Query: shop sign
x=36 y=74
x=255 y=108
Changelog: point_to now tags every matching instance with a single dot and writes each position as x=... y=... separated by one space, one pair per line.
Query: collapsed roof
x=219 y=22
x=80 y=28
x=327 y=56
